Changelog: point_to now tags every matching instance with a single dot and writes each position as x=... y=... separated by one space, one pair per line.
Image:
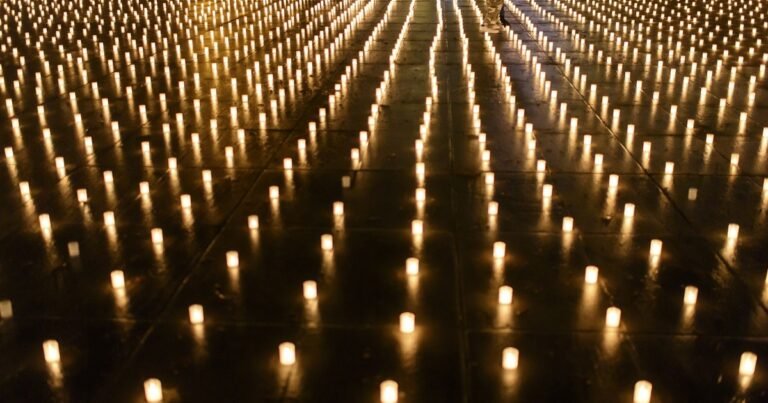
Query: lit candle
x=153 y=390
x=6 y=309
x=82 y=195
x=274 y=192
x=326 y=242
x=310 y=290
x=417 y=227
x=493 y=208
x=45 y=222
x=505 y=295
x=407 y=322
x=118 y=279
x=499 y=250
x=287 y=352
x=691 y=294
x=51 y=351
x=489 y=178
x=196 y=315
x=567 y=224
x=338 y=208
x=510 y=358
x=591 y=274
x=388 y=392
x=612 y=317
x=642 y=392
x=613 y=181
x=157 y=236
x=253 y=222
x=233 y=259
x=747 y=364
x=109 y=218
x=733 y=232
x=412 y=266
x=629 y=210
x=656 y=245
x=421 y=195
x=547 y=191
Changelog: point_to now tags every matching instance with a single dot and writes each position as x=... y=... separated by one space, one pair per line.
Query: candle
x=233 y=259
x=493 y=208
x=612 y=317
x=747 y=364
x=338 y=208
x=388 y=392
x=153 y=390
x=326 y=242
x=642 y=392
x=591 y=274
x=505 y=295
x=196 y=316
x=690 y=296
x=310 y=290
x=274 y=192
x=157 y=236
x=629 y=210
x=567 y=224
x=412 y=266
x=510 y=358
x=656 y=245
x=118 y=279
x=407 y=322
x=417 y=227
x=499 y=250
x=51 y=351
x=253 y=222
x=287 y=352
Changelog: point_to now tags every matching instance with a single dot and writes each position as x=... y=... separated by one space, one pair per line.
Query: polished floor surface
x=374 y=201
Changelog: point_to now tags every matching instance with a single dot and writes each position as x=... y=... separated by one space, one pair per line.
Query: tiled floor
x=666 y=112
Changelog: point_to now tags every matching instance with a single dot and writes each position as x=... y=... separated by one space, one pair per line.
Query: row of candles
x=510 y=355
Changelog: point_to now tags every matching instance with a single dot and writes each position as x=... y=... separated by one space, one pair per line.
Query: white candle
x=153 y=390
x=326 y=242
x=118 y=279
x=233 y=259
x=338 y=208
x=388 y=392
x=747 y=364
x=510 y=358
x=157 y=236
x=567 y=224
x=253 y=222
x=287 y=352
x=499 y=250
x=196 y=315
x=51 y=351
x=690 y=296
x=505 y=295
x=412 y=266
x=656 y=246
x=310 y=290
x=591 y=274
x=407 y=322
x=493 y=208
x=417 y=227
x=733 y=232
x=612 y=317
x=629 y=210
x=642 y=392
